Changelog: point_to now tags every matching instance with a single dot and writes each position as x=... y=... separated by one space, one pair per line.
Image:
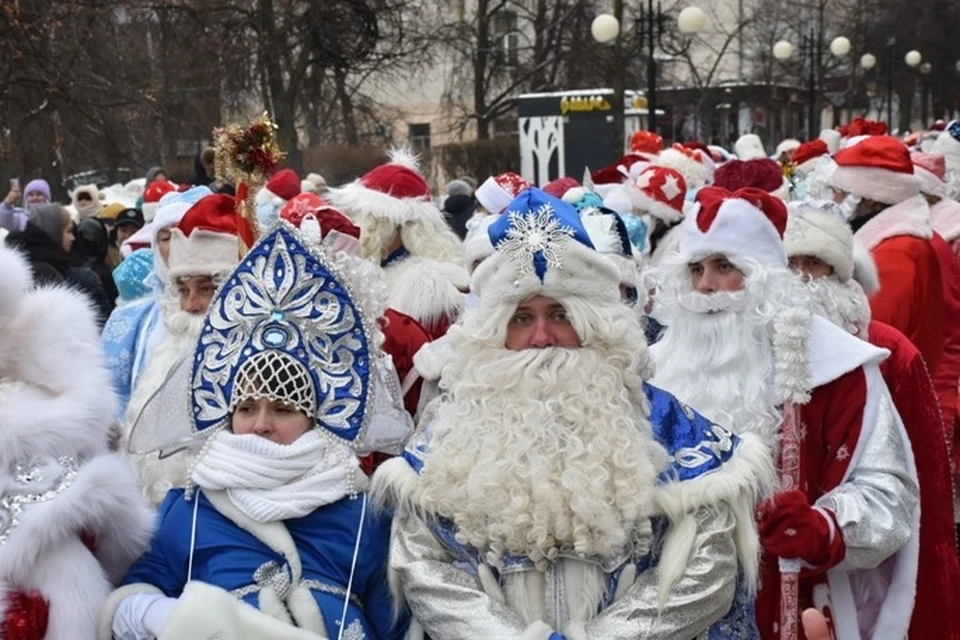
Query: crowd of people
x=698 y=393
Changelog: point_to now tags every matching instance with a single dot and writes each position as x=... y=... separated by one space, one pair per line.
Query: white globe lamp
x=912 y=58
x=605 y=28
x=868 y=61
x=840 y=46
x=691 y=20
x=782 y=50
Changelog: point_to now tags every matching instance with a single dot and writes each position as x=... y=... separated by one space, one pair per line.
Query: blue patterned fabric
x=532 y=227
x=228 y=557
x=284 y=297
x=127 y=337
x=130 y=276
x=396 y=255
x=695 y=444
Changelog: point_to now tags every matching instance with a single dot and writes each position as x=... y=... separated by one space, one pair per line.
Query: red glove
x=791 y=528
x=26 y=616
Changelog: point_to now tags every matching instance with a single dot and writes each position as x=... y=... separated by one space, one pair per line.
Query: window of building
x=507 y=36
x=419 y=136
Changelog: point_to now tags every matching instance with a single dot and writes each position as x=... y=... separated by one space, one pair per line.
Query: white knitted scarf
x=270 y=482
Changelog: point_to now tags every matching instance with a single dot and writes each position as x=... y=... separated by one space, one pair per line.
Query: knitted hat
x=91 y=207
x=806 y=155
x=877 y=168
x=749 y=146
x=37 y=184
x=496 y=192
x=818 y=231
x=746 y=223
x=646 y=142
x=760 y=173
x=151 y=197
x=395 y=191
x=930 y=169
x=542 y=248
x=659 y=191
x=832 y=137
x=205 y=240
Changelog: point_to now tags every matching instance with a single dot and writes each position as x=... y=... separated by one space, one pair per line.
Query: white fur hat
x=820 y=231
x=746 y=223
x=948 y=144
x=205 y=241
x=832 y=137
x=542 y=248
x=749 y=147
x=477 y=246
x=686 y=162
x=787 y=146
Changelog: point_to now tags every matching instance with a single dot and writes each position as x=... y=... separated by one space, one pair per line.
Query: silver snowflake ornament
x=539 y=232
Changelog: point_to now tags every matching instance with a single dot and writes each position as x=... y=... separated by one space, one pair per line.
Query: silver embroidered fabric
x=354 y=631
x=874 y=507
x=30 y=483
x=450 y=604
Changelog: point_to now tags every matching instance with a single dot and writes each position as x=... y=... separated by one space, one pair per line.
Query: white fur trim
x=205 y=611
x=822 y=235
x=832 y=137
x=749 y=147
x=17 y=279
x=356 y=200
x=908 y=218
x=644 y=203
x=536 y=630
x=492 y=196
x=149 y=210
x=430 y=359
x=945 y=218
x=787 y=146
x=888 y=187
x=675 y=555
x=305 y=611
x=865 y=269
x=576 y=630
x=739 y=484
x=930 y=184
x=426 y=289
x=740 y=229
x=394 y=485
x=523 y=592
x=617 y=197
x=109 y=610
x=477 y=246
x=693 y=172
x=203 y=253
x=949 y=147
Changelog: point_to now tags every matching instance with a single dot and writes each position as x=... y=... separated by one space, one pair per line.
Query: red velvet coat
x=938 y=573
x=946 y=377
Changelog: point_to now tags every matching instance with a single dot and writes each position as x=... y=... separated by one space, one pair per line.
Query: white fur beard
x=542 y=451
x=842 y=303
x=722 y=365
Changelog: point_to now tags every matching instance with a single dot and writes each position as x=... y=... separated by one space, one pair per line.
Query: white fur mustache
x=712 y=302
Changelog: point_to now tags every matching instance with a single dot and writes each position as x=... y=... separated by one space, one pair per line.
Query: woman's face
x=68 y=237
x=278 y=422
x=163 y=243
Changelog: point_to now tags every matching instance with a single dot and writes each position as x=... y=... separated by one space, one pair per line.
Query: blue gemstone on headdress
x=276 y=315
x=275 y=337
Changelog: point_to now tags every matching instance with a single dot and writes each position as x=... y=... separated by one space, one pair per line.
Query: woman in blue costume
x=273 y=537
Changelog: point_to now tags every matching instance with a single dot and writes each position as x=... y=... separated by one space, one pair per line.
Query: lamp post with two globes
x=810 y=53
x=650 y=27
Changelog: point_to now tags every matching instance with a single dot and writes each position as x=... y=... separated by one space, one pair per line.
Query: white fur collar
x=908 y=218
x=834 y=352
x=945 y=218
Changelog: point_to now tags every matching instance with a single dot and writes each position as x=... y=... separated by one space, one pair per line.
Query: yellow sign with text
x=583 y=104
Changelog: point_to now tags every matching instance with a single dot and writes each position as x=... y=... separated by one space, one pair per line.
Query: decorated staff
x=247 y=156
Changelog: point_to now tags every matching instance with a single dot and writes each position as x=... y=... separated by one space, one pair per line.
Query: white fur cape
x=426 y=289
x=56 y=408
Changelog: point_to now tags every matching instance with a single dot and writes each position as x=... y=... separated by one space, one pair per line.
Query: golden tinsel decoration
x=247 y=154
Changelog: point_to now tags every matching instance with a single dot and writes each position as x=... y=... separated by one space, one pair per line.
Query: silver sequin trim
x=33 y=483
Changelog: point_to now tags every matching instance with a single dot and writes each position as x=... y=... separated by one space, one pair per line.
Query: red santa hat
x=626 y=167
x=877 y=168
x=560 y=186
x=395 y=191
x=820 y=232
x=746 y=223
x=749 y=146
x=282 y=186
x=646 y=142
x=310 y=204
x=807 y=154
x=660 y=191
x=761 y=173
x=931 y=170
x=205 y=241
x=687 y=162
x=151 y=197
x=497 y=192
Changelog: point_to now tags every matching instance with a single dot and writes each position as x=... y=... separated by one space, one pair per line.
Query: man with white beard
x=741 y=346
x=820 y=246
x=203 y=249
x=556 y=494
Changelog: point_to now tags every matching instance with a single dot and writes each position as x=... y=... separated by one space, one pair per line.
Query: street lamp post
x=811 y=53
x=925 y=70
x=868 y=61
x=650 y=27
